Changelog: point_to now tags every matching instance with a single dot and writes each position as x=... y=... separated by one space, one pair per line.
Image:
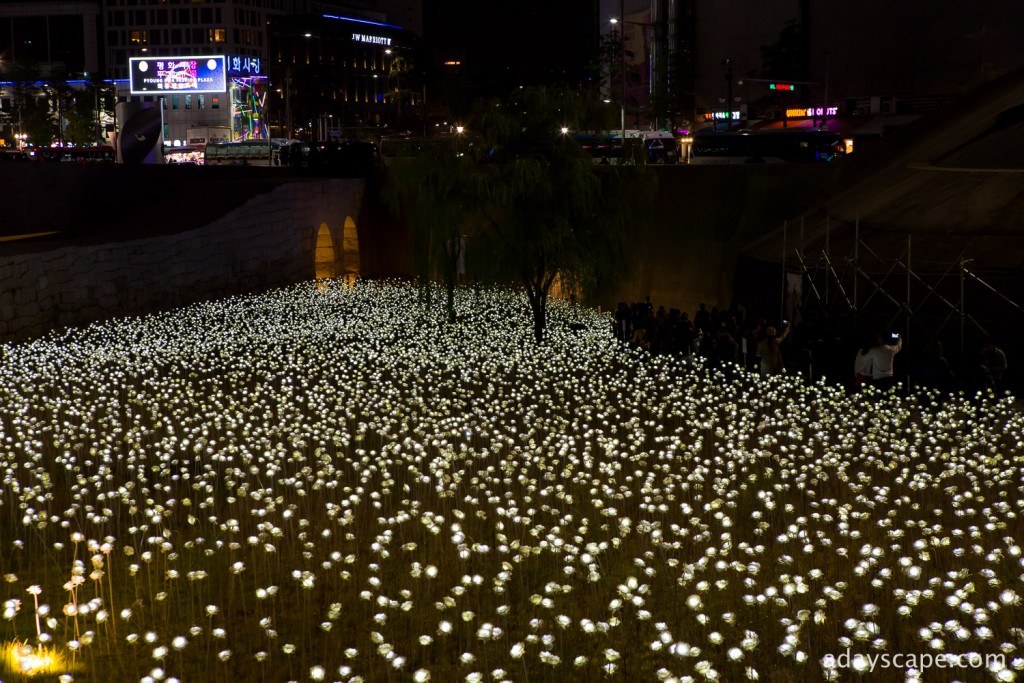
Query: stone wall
x=267 y=241
x=685 y=245
x=255 y=230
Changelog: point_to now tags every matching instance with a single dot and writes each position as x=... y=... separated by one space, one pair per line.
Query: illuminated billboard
x=811 y=112
x=175 y=75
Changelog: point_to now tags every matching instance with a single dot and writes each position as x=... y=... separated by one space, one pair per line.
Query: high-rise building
x=696 y=57
x=300 y=67
x=50 y=38
x=655 y=44
x=45 y=41
x=306 y=67
x=502 y=46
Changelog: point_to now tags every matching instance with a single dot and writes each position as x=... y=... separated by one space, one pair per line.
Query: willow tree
x=553 y=213
x=520 y=184
x=434 y=192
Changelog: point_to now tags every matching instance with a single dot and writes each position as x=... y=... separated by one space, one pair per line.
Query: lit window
x=188 y=101
x=217 y=35
x=139 y=37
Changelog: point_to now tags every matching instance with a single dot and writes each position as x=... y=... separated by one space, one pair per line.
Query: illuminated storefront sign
x=177 y=75
x=721 y=115
x=789 y=87
x=811 y=112
x=373 y=40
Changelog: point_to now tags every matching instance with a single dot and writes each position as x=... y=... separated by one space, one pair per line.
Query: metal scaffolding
x=897 y=292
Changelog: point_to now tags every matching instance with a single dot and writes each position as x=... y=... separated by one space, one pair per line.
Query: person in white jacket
x=863 y=367
x=882 y=355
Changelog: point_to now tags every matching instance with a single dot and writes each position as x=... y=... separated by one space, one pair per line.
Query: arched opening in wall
x=326 y=260
x=349 y=252
x=565 y=288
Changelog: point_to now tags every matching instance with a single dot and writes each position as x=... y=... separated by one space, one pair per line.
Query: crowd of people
x=720 y=336
x=987 y=369
x=767 y=348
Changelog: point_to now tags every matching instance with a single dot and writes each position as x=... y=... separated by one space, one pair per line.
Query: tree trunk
x=450 y=286
x=424 y=256
x=451 y=273
x=537 y=287
x=538 y=306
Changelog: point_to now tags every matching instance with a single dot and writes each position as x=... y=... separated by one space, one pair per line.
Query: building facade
x=52 y=38
x=697 y=58
x=292 y=68
x=656 y=44
x=44 y=42
x=295 y=68
x=332 y=73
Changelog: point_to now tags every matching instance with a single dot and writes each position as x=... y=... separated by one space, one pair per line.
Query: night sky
x=510 y=44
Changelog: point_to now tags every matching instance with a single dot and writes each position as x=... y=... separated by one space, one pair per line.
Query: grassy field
x=334 y=484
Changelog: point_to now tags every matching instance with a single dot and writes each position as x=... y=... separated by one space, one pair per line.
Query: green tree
x=785 y=59
x=60 y=98
x=403 y=84
x=614 y=68
x=82 y=109
x=30 y=104
x=522 y=187
x=36 y=117
x=433 y=192
x=8 y=125
x=553 y=213
x=80 y=114
x=105 y=94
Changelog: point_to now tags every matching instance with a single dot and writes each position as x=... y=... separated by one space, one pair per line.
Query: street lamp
x=652 y=56
x=727 y=63
x=622 y=74
x=395 y=66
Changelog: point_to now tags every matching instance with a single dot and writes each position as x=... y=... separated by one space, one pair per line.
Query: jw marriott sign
x=373 y=40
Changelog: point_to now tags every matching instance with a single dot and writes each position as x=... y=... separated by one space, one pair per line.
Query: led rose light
x=337 y=482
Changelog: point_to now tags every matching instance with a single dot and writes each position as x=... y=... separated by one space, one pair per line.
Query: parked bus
x=343 y=158
x=767 y=147
x=602 y=147
x=644 y=146
x=278 y=152
x=392 y=149
x=97 y=154
x=13 y=155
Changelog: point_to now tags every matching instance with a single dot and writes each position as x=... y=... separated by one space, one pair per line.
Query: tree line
x=516 y=186
x=55 y=111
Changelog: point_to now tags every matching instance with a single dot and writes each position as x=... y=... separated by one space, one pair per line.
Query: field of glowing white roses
x=335 y=484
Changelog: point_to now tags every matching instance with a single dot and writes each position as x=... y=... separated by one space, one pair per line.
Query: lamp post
x=396 y=64
x=653 y=74
x=622 y=75
x=727 y=63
